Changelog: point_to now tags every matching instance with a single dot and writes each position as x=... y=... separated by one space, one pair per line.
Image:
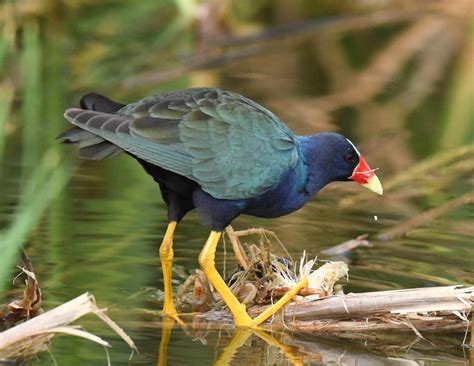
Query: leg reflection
x=238 y=339
x=290 y=352
x=167 y=327
x=241 y=335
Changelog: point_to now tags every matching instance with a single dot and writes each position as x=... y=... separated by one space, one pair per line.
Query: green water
x=390 y=85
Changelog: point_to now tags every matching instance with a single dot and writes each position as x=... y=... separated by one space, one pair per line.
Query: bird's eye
x=350 y=158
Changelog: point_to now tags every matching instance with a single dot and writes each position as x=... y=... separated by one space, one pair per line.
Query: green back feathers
x=233 y=147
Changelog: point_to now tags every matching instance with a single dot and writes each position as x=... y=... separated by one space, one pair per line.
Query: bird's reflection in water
x=239 y=338
x=166 y=328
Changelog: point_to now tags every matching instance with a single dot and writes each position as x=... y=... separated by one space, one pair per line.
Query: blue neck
x=296 y=188
x=313 y=181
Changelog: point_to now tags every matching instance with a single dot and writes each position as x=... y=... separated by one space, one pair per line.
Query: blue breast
x=294 y=190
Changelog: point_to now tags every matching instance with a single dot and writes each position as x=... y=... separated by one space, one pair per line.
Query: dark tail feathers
x=97 y=102
x=92 y=146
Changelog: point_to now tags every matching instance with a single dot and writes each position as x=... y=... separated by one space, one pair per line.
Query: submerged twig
x=425 y=217
x=347 y=246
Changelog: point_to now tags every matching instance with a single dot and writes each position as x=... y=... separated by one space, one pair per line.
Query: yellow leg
x=166 y=256
x=238 y=310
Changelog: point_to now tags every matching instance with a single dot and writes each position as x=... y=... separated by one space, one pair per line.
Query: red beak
x=365 y=176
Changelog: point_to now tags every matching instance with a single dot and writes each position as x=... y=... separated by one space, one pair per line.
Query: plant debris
x=323 y=307
x=30 y=305
x=29 y=330
x=25 y=340
x=263 y=277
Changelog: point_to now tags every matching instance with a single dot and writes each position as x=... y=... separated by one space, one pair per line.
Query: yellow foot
x=242 y=319
x=238 y=310
x=172 y=313
x=268 y=312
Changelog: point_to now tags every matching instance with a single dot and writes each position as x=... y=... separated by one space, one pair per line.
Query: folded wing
x=233 y=147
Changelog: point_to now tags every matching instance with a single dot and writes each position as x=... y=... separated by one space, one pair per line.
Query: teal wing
x=233 y=147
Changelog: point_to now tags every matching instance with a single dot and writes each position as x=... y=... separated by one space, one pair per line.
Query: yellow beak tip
x=374 y=185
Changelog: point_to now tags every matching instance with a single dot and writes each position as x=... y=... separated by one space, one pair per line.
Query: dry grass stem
x=24 y=340
x=237 y=247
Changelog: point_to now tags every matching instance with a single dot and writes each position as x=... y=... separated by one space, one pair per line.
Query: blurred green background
x=396 y=76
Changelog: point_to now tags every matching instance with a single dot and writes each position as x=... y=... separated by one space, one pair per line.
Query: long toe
x=268 y=312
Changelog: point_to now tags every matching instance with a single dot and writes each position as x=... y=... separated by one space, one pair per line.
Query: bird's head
x=342 y=161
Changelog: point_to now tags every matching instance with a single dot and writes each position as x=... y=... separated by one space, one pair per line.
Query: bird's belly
x=267 y=213
x=286 y=197
x=273 y=207
x=167 y=180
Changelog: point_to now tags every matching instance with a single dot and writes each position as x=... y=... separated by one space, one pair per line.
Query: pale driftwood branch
x=444 y=308
x=446 y=298
x=33 y=333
